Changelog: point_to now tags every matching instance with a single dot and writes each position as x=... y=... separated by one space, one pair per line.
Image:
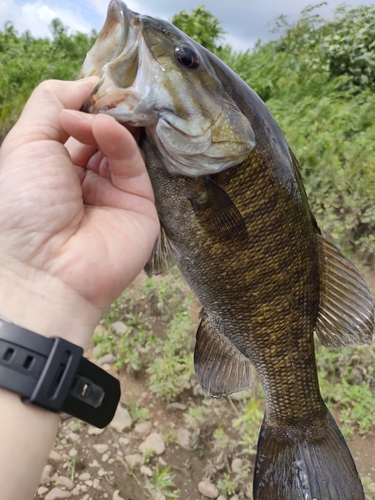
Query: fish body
x=235 y=219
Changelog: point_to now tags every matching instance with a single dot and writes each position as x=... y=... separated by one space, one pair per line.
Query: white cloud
x=36 y=17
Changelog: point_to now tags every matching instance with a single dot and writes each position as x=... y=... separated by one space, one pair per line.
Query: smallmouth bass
x=235 y=219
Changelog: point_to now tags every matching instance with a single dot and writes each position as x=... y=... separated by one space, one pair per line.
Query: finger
x=80 y=153
x=100 y=192
x=78 y=125
x=124 y=157
x=41 y=113
x=99 y=164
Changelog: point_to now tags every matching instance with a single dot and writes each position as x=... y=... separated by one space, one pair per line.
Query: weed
x=147 y=455
x=195 y=416
x=162 y=482
x=369 y=488
x=226 y=485
x=172 y=369
x=137 y=413
x=72 y=467
x=133 y=349
x=105 y=342
x=221 y=439
x=249 y=424
x=169 y=436
x=346 y=380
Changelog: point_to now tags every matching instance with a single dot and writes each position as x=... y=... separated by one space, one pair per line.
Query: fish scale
x=235 y=219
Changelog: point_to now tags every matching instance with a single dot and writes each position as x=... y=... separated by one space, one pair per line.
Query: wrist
x=43 y=304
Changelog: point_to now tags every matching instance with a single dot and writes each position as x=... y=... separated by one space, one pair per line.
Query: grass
x=347 y=381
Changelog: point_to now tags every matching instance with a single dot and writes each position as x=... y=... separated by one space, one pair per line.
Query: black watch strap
x=51 y=373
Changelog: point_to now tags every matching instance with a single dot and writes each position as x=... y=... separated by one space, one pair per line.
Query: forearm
x=26 y=431
x=26 y=436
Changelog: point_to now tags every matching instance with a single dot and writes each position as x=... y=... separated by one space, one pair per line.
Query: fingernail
x=94 y=79
x=85 y=117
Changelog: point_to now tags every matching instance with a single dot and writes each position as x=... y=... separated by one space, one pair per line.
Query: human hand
x=77 y=218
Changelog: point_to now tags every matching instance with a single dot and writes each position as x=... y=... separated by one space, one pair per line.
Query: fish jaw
x=193 y=122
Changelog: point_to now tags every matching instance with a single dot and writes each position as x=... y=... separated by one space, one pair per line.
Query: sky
x=245 y=21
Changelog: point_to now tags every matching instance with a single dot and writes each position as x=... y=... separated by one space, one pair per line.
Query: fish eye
x=186 y=56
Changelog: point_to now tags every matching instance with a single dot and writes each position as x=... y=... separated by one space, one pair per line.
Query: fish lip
x=116 y=87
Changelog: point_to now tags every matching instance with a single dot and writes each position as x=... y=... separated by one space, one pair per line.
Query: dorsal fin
x=163 y=256
x=346 y=311
x=220 y=367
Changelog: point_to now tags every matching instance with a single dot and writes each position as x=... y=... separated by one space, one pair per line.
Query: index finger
x=42 y=110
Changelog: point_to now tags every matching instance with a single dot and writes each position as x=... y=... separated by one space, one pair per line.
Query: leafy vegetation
x=26 y=61
x=200 y=25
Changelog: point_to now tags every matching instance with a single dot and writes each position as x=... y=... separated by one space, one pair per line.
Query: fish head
x=155 y=76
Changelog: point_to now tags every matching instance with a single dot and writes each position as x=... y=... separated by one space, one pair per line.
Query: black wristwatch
x=53 y=374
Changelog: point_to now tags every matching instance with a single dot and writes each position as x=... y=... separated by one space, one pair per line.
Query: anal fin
x=346 y=311
x=163 y=257
x=220 y=367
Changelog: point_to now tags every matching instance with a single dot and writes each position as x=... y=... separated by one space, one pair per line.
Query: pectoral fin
x=346 y=314
x=163 y=257
x=214 y=207
x=220 y=367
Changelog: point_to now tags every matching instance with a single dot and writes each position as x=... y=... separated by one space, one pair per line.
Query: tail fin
x=312 y=464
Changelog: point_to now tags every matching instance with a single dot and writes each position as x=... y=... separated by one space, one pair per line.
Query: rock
x=107 y=359
x=100 y=448
x=154 y=442
x=116 y=495
x=89 y=483
x=96 y=483
x=105 y=457
x=240 y=396
x=158 y=496
x=143 y=427
x=221 y=498
x=85 y=476
x=94 y=431
x=237 y=465
x=102 y=472
x=65 y=481
x=119 y=327
x=234 y=497
x=46 y=474
x=56 y=493
x=55 y=457
x=198 y=391
x=74 y=437
x=146 y=470
x=73 y=452
x=133 y=460
x=183 y=438
x=162 y=461
x=177 y=406
x=94 y=463
x=75 y=492
x=122 y=420
x=124 y=441
x=42 y=490
x=97 y=351
x=208 y=489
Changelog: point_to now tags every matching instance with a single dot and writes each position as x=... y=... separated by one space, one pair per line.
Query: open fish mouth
x=154 y=76
x=121 y=58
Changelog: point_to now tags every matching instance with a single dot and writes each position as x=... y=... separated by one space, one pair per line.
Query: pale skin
x=77 y=224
